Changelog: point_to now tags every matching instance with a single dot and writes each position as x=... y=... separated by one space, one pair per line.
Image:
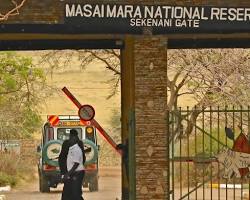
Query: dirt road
x=110 y=189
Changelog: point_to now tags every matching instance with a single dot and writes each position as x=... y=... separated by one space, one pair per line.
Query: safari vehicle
x=54 y=132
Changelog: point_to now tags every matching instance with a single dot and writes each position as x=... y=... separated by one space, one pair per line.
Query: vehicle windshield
x=63 y=133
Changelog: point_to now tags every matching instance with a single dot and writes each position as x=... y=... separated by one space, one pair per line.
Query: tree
x=14 y=10
x=211 y=77
x=58 y=59
x=22 y=87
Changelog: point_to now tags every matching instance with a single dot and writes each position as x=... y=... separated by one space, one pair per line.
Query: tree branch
x=181 y=84
x=113 y=52
x=185 y=93
x=12 y=12
x=12 y=91
x=108 y=65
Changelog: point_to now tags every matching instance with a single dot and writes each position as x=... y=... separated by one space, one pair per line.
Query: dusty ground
x=110 y=189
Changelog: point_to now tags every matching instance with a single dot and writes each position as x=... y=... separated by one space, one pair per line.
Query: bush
x=107 y=155
x=13 y=169
x=203 y=146
x=6 y=179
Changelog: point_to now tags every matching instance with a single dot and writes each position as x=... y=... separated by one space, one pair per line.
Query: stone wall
x=150 y=115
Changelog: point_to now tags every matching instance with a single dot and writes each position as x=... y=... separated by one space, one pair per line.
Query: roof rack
x=67 y=117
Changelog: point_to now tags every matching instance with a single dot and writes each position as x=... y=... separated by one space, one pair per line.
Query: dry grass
x=89 y=86
x=14 y=169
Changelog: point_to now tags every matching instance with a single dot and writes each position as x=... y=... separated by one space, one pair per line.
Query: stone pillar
x=151 y=153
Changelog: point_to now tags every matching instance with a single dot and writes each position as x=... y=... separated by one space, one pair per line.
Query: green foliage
x=203 y=144
x=6 y=179
x=31 y=122
x=22 y=87
x=210 y=142
x=201 y=147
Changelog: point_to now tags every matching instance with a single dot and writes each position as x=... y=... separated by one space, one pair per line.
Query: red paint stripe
x=51 y=117
x=105 y=135
x=54 y=120
x=71 y=97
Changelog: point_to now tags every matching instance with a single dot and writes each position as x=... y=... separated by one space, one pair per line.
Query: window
x=63 y=133
x=49 y=134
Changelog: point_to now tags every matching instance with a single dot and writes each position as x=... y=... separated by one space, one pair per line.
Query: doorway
x=95 y=82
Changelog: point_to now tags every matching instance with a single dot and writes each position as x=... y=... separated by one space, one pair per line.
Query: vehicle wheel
x=93 y=185
x=43 y=184
x=51 y=152
x=92 y=155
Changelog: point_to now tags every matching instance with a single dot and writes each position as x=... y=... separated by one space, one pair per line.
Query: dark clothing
x=66 y=193
x=62 y=160
x=64 y=153
x=125 y=162
x=72 y=189
x=125 y=158
x=76 y=185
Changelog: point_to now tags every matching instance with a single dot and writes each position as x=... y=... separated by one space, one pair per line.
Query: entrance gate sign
x=121 y=18
x=114 y=18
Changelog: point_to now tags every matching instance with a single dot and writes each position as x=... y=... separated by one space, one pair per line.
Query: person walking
x=71 y=162
x=62 y=160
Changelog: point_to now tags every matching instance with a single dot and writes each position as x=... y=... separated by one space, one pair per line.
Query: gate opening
x=94 y=78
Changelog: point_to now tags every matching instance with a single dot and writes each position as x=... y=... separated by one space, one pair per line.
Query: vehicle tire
x=51 y=151
x=91 y=156
x=43 y=184
x=93 y=185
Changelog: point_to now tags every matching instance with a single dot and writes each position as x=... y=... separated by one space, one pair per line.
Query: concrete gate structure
x=43 y=24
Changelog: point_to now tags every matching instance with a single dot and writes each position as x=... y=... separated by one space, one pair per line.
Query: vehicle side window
x=49 y=133
x=43 y=136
